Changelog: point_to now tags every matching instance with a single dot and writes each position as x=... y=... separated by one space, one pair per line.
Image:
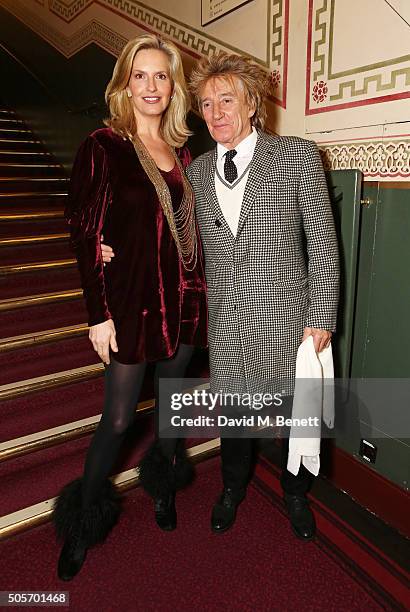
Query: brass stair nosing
x=44 y=337
x=12 y=152
x=38 y=514
x=36 y=179
x=34 y=194
x=31 y=216
x=50 y=381
x=12 y=120
x=10 y=165
x=22 y=240
x=36 y=266
x=21 y=141
x=40 y=298
x=13 y=131
x=11 y=449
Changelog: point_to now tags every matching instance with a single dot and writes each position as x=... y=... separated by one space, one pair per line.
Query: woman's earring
x=129 y=94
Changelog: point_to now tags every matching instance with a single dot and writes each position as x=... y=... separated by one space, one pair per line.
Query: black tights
x=123 y=384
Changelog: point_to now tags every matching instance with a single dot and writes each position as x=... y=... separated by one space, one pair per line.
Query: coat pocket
x=290 y=283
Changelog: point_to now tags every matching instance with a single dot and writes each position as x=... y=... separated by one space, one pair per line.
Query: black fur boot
x=81 y=529
x=184 y=469
x=160 y=477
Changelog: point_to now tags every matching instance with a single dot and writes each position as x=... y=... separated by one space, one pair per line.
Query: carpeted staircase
x=51 y=384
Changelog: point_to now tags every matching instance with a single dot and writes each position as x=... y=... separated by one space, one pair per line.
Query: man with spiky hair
x=258 y=198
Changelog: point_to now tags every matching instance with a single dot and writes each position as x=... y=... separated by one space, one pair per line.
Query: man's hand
x=321 y=337
x=102 y=337
x=106 y=251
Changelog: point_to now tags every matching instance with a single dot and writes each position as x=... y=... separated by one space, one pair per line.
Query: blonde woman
x=149 y=305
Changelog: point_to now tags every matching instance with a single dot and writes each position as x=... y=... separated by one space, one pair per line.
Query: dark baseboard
x=387 y=500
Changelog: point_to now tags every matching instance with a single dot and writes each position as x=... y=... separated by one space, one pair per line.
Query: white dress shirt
x=230 y=196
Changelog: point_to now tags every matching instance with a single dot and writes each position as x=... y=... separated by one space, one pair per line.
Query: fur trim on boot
x=156 y=473
x=184 y=469
x=159 y=476
x=94 y=523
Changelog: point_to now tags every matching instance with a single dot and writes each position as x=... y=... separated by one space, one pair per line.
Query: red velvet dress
x=154 y=302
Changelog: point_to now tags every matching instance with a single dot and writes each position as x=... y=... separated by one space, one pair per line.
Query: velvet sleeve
x=88 y=199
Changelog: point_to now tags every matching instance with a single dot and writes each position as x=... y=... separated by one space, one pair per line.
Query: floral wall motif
x=375 y=159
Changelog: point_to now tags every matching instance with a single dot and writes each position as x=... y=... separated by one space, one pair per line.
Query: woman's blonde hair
x=122 y=118
x=255 y=80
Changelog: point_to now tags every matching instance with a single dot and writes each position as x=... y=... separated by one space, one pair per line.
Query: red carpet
x=50 y=408
x=40 y=318
x=35 y=253
x=257 y=566
x=43 y=281
x=43 y=359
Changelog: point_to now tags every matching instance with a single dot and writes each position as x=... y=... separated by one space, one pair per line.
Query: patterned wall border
x=68 y=10
x=279 y=50
x=92 y=32
x=378 y=159
x=326 y=90
x=193 y=41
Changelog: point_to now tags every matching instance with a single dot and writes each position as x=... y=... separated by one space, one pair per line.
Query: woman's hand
x=106 y=251
x=102 y=337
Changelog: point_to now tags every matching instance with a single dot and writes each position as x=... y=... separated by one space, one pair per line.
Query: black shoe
x=71 y=559
x=301 y=516
x=224 y=511
x=165 y=512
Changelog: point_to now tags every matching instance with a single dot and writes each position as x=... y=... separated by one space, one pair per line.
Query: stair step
x=33 y=442
x=10 y=123
x=27 y=301
x=14 y=169
x=29 y=214
x=16 y=133
x=50 y=468
x=78 y=400
x=27 y=414
x=26 y=227
x=21 y=286
x=23 y=240
x=49 y=381
x=12 y=180
x=35 y=252
x=40 y=360
x=37 y=266
x=11 y=156
x=36 y=316
x=22 y=195
x=42 y=337
x=21 y=145
x=35 y=185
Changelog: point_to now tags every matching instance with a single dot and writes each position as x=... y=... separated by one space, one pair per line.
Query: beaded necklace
x=182 y=221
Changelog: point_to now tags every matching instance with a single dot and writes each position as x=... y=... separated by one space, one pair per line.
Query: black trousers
x=236 y=457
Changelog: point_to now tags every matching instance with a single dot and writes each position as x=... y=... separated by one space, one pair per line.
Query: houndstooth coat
x=278 y=275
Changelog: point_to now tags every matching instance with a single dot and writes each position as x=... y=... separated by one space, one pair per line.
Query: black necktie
x=230 y=170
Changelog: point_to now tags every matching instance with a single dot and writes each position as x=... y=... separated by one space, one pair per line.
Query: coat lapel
x=263 y=158
x=208 y=182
